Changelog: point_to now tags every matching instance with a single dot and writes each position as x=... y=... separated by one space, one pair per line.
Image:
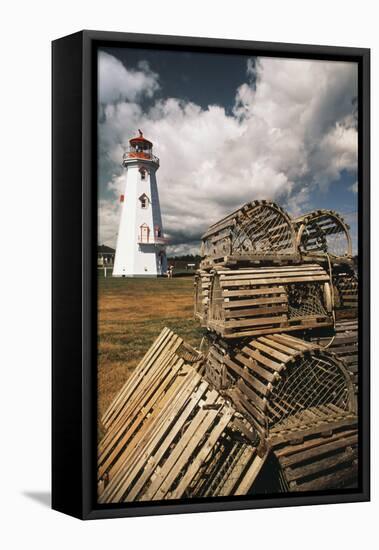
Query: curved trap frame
x=283 y=384
x=323 y=232
x=310 y=388
x=257 y=231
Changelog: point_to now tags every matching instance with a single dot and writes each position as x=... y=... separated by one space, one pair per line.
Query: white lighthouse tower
x=140 y=250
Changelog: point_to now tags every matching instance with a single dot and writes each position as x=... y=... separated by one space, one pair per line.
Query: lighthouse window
x=144 y=200
x=143 y=174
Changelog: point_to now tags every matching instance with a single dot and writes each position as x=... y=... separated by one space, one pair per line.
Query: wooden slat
x=276 y=280
x=320 y=450
x=256 y=302
x=251 y=475
x=257 y=332
x=255 y=292
x=347 y=421
x=240 y=275
x=182 y=452
x=330 y=481
x=256 y=321
x=239 y=313
x=202 y=454
x=155 y=458
x=320 y=465
x=142 y=368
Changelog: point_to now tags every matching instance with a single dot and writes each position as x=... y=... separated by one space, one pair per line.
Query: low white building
x=141 y=245
x=105 y=256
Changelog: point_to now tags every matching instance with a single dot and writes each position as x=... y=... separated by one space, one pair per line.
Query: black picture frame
x=74 y=207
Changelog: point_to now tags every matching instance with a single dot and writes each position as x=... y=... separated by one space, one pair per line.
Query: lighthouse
x=141 y=246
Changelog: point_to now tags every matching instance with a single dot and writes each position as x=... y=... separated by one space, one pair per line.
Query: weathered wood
x=162 y=448
x=258 y=230
x=128 y=388
x=251 y=475
x=323 y=232
x=345 y=288
x=344 y=420
x=343 y=342
x=185 y=425
x=263 y=300
x=320 y=462
x=202 y=282
x=287 y=389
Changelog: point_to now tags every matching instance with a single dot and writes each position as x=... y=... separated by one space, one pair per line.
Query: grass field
x=132 y=313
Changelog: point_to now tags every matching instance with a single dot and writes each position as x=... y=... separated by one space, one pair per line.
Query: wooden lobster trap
x=185 y=425
x=168 y=356
x=321 y=233
x=164 y=366
x=168 y=430
x=283 y=384
x=258 y=231
x=300 y=400
x=264 y=300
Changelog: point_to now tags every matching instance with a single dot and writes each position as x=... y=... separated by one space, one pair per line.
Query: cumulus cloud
x=117 y=83
x=354 y=187
x=292 y=128
x=108 y=218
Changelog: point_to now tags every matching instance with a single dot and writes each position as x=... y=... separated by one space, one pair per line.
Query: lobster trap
x=323 y=232
x=283 y=384
x=168 y=430
x=272 y=402
x=258 y=231
x=265 y=300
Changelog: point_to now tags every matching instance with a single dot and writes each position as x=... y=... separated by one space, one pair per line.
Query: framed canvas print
x=210 y=274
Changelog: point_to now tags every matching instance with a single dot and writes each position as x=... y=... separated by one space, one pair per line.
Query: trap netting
x=323 y=232
x=256 y=229
x=263 y=229
x=309 y=390
x=306 y=300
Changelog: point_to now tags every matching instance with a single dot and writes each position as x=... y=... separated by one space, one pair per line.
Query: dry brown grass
x=131 y=314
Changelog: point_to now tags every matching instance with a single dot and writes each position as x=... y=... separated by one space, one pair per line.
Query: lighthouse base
x=137 y=276
x=145 y=261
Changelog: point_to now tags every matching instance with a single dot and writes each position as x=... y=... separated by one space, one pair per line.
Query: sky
x=228 y=129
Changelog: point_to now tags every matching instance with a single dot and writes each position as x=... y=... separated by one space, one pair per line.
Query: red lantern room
x=140 y=148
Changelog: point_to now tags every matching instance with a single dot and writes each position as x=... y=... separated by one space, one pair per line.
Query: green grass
x=132 y=313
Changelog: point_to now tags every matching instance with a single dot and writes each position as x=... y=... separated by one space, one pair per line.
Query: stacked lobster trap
x=279 y=298
x=270 y=403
